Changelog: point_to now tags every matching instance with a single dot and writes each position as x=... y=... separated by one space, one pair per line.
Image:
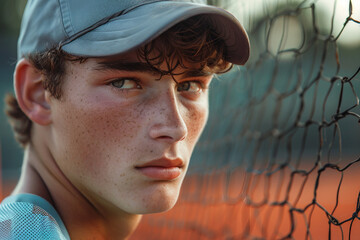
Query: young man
x=111 y=98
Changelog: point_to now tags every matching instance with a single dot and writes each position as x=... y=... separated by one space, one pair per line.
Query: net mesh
x=279 y=158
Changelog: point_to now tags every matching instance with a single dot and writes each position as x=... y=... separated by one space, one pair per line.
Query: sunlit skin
x=112 y=119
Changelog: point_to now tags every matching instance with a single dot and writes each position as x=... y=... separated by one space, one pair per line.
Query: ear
x=30 y=93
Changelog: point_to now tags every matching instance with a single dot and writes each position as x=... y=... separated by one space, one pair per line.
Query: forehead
x=132 y=62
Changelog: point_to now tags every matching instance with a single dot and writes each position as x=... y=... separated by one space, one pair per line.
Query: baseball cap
x=99 y=28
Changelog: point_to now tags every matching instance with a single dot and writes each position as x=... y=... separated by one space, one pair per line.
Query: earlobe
x=30 y=93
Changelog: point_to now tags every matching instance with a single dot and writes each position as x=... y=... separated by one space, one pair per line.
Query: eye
x=190 y=86
x=126 y=83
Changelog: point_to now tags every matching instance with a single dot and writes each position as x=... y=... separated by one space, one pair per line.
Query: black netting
x=280 y=156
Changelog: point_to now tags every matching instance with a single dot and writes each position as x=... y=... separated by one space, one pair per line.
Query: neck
x=82 y=217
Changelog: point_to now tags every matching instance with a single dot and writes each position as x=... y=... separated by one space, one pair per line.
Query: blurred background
x=279 y=157
x=10 y=152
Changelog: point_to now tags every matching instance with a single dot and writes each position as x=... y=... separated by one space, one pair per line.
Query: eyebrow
x=143 y=67
x=196 y=73
x=127 y=66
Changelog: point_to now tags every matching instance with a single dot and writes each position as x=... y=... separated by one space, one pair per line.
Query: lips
x=162 y=169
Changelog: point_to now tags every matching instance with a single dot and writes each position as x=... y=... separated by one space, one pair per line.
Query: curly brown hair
x=191 y=41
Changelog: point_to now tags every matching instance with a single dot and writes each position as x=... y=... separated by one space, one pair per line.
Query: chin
x=161 y=207
x=158 y=202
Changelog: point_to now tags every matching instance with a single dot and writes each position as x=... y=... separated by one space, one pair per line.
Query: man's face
x=122 y=136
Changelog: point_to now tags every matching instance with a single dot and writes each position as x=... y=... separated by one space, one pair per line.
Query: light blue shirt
x=28 y=216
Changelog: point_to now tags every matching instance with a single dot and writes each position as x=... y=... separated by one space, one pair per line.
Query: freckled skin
x=100 y=134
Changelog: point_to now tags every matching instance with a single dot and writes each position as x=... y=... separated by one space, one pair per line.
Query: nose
x=168 y=119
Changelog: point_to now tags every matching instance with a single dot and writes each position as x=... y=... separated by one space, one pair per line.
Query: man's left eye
x=190 y=86
x=125 y=83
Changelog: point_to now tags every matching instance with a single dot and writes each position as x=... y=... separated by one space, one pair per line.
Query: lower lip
x=161 y=173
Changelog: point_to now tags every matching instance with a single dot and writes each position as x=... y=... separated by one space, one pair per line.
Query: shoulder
x=27 y=216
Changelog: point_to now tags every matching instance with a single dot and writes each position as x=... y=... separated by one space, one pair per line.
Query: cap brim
x=145 y=23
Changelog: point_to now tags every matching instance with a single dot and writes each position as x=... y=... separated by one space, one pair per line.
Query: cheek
x=196 y=121
x=93 y=135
